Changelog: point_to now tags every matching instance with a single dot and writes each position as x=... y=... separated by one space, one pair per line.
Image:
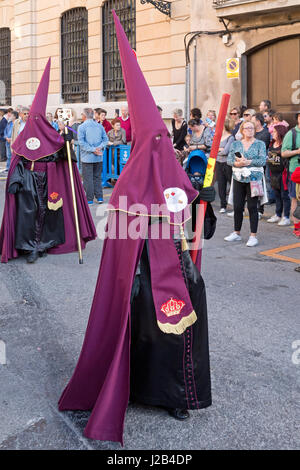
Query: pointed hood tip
x=138 y=93
x=39 y=103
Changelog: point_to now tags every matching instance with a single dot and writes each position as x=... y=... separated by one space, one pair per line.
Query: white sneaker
x=259 y=215
x=222 y=210
x=230 y=214
x=252 y=241
x=233 y=237
x=273 y=219
x=284 y=221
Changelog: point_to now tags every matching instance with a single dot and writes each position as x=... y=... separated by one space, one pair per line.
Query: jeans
x=2 y=150
x=8 y=154
x=224 y=173
x=92 y=182
x=270 y=190
x=283 y=202
x=242 y=191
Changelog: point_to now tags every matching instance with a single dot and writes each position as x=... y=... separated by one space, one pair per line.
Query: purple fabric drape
x=86 y=224
x=101 y=379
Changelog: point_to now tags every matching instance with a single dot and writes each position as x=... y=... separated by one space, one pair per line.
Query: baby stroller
x=196 y=168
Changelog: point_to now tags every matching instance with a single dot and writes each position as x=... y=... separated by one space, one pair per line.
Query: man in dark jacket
x=3 y=124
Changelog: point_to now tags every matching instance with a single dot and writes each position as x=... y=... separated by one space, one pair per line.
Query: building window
x=113 y=83
x=74 y=55
x=5 y=67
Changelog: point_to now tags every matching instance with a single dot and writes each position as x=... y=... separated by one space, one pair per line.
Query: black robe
x=166 y=369
x=37 y=227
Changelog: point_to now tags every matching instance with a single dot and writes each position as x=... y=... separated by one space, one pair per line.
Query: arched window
x=74 y=55
x=113 y=84
x=5 y=67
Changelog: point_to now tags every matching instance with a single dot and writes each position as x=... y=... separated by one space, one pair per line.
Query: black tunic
x=37 y=227
x=166 y=369
x=179 y=135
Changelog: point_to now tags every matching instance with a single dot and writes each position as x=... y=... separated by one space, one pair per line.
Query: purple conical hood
x=38 y=138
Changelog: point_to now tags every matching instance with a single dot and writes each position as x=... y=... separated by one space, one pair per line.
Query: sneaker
x=273 y=219
x=90 y=203
x=252 y=241
x=259 y=215
x=233 y=237
x=100 y=200
x=222 y=210
x=230 y=214
x=284 y=221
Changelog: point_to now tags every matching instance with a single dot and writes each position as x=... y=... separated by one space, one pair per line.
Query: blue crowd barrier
x=114 y=160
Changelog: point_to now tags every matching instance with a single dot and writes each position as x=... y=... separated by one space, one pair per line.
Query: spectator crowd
x=92 y=133
x=258 y=160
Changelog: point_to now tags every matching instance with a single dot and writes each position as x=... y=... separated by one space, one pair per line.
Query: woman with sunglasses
x=247 y=158
x=236 y=120
x=247 y=116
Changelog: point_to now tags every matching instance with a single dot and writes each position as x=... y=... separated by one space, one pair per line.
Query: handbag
x=275 y=181
x=256 y=188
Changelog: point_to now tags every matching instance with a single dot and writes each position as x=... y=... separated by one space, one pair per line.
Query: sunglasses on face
x=233 y=113
x=246 y=114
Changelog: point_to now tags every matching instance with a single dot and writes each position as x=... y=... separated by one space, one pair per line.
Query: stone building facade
x=263 y=34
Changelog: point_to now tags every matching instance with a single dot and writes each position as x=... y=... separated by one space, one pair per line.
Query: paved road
x=253 y=322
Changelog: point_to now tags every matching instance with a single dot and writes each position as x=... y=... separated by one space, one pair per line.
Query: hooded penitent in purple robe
x=38 y=214
x=146 y=310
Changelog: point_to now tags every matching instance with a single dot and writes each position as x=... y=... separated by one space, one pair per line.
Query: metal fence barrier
x=114 y=160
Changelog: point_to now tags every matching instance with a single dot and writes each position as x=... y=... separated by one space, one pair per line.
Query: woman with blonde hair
x=247 y=158
x=224 y=171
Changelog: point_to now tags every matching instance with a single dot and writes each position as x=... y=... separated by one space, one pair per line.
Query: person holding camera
x=247 y=158
x=291 y=149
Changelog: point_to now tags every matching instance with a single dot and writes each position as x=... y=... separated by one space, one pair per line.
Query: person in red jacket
x=125 y=122
x=100 y=116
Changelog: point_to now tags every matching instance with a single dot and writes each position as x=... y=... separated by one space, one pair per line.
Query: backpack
x=286 y=161
x=294 y=137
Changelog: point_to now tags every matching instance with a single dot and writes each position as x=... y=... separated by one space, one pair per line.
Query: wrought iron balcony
x=225 y=3
x=235 y=8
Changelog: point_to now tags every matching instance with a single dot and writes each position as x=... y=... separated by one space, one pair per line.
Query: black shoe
x=43 y=254
x=297 y=269
x=32 y=257
x=178 y=413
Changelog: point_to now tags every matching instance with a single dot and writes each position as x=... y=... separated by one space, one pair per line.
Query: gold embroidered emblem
x=172 y=307
x=54 y=196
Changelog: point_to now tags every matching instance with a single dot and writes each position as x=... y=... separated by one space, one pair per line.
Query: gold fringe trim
x=150 y=215
x=54 y=206
x=44 y=156
x=180 y=327
x=184 y=243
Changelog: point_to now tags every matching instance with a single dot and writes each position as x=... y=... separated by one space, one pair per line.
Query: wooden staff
x=209 y=175
x=74 y=199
